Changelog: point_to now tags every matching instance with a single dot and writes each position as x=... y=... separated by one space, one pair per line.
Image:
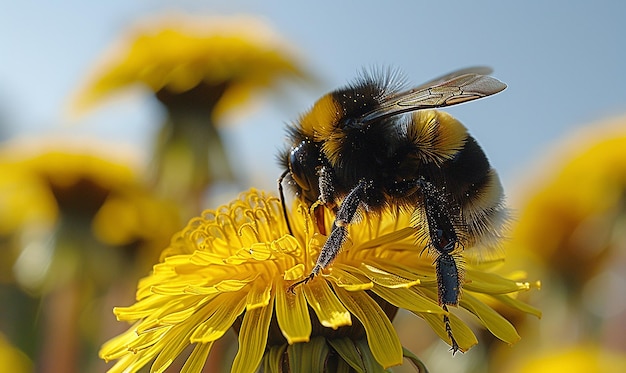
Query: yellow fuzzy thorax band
x=437 y=135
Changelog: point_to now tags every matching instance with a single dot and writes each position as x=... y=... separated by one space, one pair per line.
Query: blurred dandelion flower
x=222 y=59
x=12 y=359
x=198 y=68
x=63 y=202
x=571 y=232
x=574 y=217
x=232 y=268
x=584 y=358
x=81 y=227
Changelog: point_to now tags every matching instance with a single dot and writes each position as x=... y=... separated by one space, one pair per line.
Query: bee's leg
x=444 y=226
x=326 y=199
x=339 y=232
x=454 y=347
x=448 y=277
x=444 y=222
x=326 y=185
x=449 y=288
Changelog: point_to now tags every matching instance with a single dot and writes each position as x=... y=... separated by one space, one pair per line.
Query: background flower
x=198 y=68
x=12 y=359
x=176 y=54
x=584 y=358
x=570 y=232
x=78 y=227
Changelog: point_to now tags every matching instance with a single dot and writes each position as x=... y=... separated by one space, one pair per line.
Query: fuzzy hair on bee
x=375 y=145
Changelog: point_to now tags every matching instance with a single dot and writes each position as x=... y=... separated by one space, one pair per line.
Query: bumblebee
x=373 y=146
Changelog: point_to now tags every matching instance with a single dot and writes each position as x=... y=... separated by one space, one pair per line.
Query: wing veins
x=459 y=89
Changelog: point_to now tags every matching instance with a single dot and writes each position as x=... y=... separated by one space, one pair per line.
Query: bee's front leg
x=339 y=233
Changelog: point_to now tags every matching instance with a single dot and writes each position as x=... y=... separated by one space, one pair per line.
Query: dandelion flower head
x=232 y=267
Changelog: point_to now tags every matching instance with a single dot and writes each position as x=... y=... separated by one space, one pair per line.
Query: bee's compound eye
x=303 y=162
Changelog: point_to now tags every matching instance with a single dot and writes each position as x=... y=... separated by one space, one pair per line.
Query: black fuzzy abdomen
x=468 y=172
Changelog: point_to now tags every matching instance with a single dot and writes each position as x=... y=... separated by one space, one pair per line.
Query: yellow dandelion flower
x=232 y=267
x=572 y=217
x=80 y=228
x=584 y=358
x=198 y=68
x=224 y=59
x=53 y=188
x=12 y=359
x=570 y=232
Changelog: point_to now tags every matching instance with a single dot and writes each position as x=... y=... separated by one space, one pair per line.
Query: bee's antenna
x=281 y=193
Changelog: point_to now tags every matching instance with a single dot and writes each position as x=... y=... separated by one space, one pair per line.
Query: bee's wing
x=478 y=70
x=461 y=88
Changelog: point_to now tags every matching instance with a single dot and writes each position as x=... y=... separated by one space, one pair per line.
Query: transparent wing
x=478 y=70
x=458 y=89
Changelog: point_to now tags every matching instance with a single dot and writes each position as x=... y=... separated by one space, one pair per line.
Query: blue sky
x=563 y=62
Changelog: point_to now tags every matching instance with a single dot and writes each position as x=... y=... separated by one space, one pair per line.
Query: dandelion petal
x=197 y=359
x=385 y=278
x=463 y=335
x=292 y=314
x=327 y=307
x=517 y=304
x=116 y=347
x=259 y=295
x=490 y=283
x=497 y=325
x=408 y=299
x=349 y=278
x=222 y=313
x=223 y=286
x=381 y=335
x=252 y=339
x=171 y=345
